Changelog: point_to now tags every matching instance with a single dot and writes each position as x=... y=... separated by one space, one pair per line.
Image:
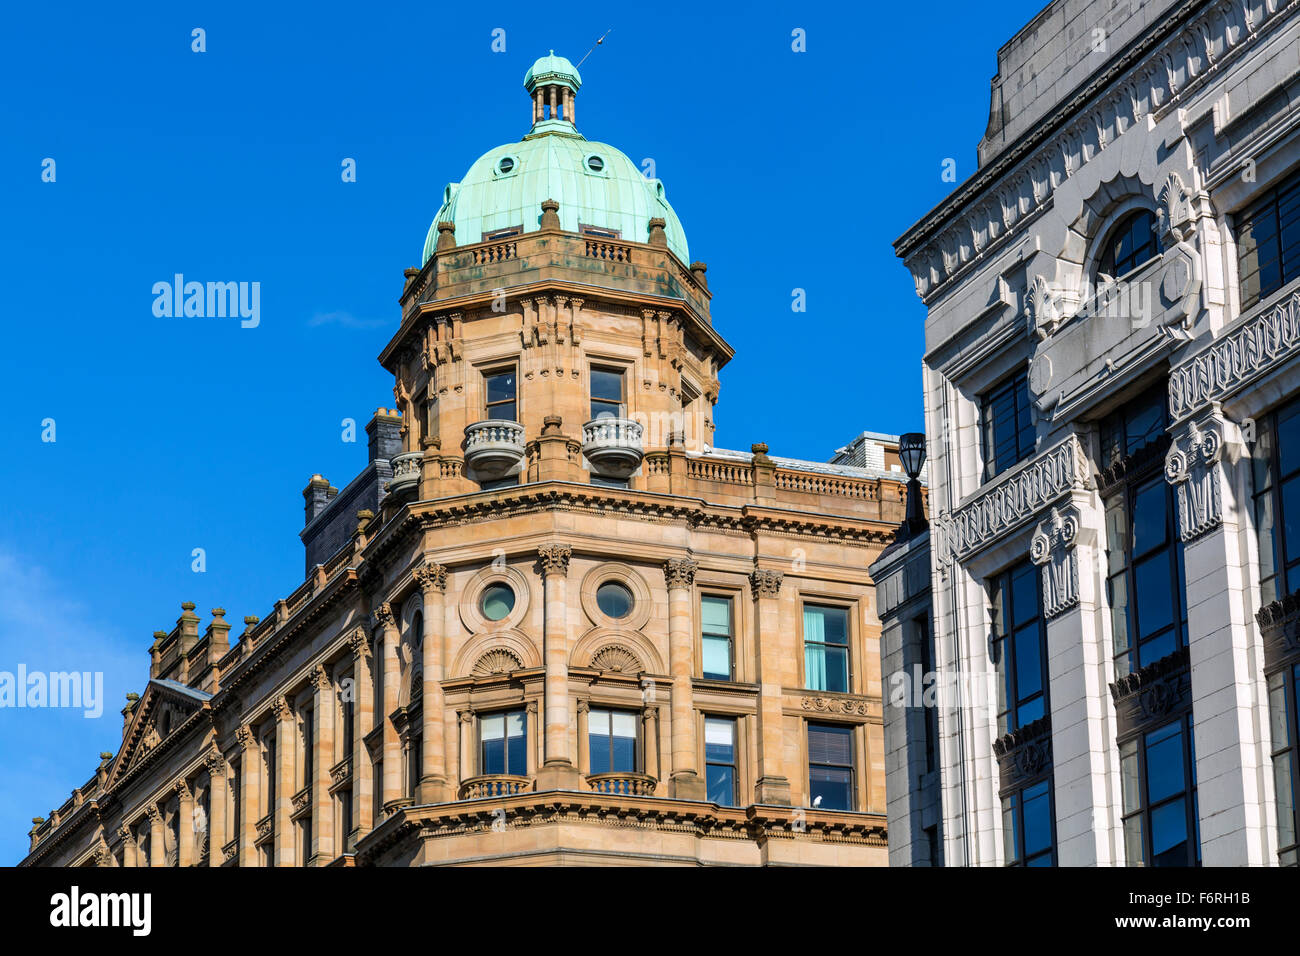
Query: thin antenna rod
x=598 y=43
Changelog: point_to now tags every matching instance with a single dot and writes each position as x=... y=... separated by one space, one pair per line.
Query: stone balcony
x=406 y=472
x=493 y=448
x=624 y=783
x=494 y=785
x=613 y=446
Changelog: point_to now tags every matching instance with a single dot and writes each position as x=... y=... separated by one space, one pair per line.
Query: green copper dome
x=599 y=189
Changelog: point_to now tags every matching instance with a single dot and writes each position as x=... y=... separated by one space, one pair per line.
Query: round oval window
x=497 y=601
x=614 y=600
x=506 y=164
x=595 y=163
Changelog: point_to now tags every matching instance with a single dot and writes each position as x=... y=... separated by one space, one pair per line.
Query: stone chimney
x=317 y=495
x=384 y=434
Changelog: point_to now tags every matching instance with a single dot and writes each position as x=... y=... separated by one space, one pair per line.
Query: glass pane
x=1010 y=852
x=1116 y=534
x=624 y=757
x=1145 y=423
x=1029 y=711
x=1278 y=719
x=814 y=666
x=831 y=788
x=607 y=385
x=1265 y=523
x=1288 y=439
x=504 y=412
x=715 y=612
x=497 y=602
x=1285 y=799
x=829 y=744
x=1157 y=647
x=720 y=782
x=517 y=750
x=837 y=669
x=719 y=740
x=1037 y=808
x=1128 y=776
x=1024 y=594
x=1119 y=612
x=1029 y=662
x=1152 y=579
x=493 y=727
x=1133 y=850
x=623 y=724
x=501 y=388
x=1290 y=549
x=1164 y=762
x=717 y=658
x=1169 y=834
x=828 y=625
x=598 y=722
x=614 y=600
x=515 y=723
x=1149 y=517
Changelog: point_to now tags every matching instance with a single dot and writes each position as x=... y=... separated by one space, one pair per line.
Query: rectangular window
x=345 y=815
x=1275 y=460
x=308 y=751
x=1006 y=425
x=1158 y=782
x=607 y=398
x=720 y=760
x=503 y=743
x=1268 y=242
x=1028 y=826
x=611 y=741
x=826 y=648
x=830 y=766
x=1019 y=647
x=1283 y=690
x=715 y=616
x=348 y=717
x=500 y=390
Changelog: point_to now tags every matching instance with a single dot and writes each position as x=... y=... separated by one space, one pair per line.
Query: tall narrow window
x=1027 y=826
x=1158 y=782
x=308 y=751
x=1283 y=691
x=348 y=718
x=500 y=390
x=720 y=760
x=1019 y=647
x=607 y=398
x=1143 y=549
x=830 y=766
x=1132 y=243
x=1006 y=425
x=826 y=648
x=611 y=741
x=1268 y=242
x=503 y=743
x=715 y=614
x=922 y=625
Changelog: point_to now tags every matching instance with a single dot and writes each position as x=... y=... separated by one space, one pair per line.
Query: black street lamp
x=911 y=450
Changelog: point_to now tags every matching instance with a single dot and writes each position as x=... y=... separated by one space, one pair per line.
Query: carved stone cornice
x=1156 y=73
x=1151 y=694
x=1279 y=625
x=1024 y=753
x=765 y=583
x=1015 y=500
x=1232 y=361
x=680 y=572
x=430 y=577
x=1110 y=478
x=1053 y=549
x=554 y=559
x=1193 y=468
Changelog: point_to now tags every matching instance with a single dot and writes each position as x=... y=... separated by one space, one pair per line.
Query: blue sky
x=788 y=170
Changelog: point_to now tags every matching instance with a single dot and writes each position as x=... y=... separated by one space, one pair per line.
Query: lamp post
x=911 y=450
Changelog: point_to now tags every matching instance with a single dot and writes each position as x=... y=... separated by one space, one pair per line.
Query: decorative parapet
x=624 y=784
x=1258 y=346
x=406 y=471
x=494 y=785
x=1016 y=499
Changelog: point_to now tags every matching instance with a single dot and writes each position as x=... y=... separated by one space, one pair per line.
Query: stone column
x=570 y=111
x=468 y=757
x=1232 y=747
x=1065 y=547
x=322 y=803
x=285 y=781
x=185 y=824
x=552 y=98
x=533 y=737
x=250 y=783
x=157 y=848
x=129 y=847
x=686 y=783
x=773 y=783
x=558 y=771
x=432 y=579
x=650 y=744
x=217 y=809
x=392 y=746
x=584 y=754
x=538 y=107
x=363 y=810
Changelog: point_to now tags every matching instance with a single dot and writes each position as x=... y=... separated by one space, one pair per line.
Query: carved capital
x=320 y=678
x=1193 y=468
x=384 y=616
x=244 y=737
x=680 y=572
x=430 y=577
x=1053 y=549
x=765 y=583
x=183 y=790
x=282 y=708
x=359 y=643
x=126 y=834
x=554 y=559
x=154 y=815
x=216 y=764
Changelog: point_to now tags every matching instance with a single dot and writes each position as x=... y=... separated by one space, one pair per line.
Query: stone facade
x=443 y=687
x=1175 y=120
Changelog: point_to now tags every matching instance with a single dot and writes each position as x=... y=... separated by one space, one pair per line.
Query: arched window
x=1131 y=244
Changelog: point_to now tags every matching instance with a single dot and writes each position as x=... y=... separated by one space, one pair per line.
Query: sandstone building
x=1111 y=368
x=549 y=622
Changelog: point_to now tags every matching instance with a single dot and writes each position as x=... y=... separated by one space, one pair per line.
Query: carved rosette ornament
x=680 y=572
x=1053 y=549
x=765 y=583
x=1192 y=467
x=430 y=577
x=554 y=559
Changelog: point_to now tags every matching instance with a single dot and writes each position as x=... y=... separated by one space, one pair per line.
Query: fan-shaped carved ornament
x=497 y=661
x=617 y=658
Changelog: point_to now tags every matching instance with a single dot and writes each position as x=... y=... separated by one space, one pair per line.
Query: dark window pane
x=1288 y=440
x=1165 y=763
x=830 y=788
x=1038 y=818
x=1029 y=662
x=1169 y=834
x=607 y=385
x=501 y=387
x=1152 y=582
x=830 y=744
x=1150 y=517
x=503 y=412
x=721 y=785
x=1024 y=593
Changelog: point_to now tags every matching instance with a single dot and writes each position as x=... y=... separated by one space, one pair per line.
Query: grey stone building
x=1112 y=350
